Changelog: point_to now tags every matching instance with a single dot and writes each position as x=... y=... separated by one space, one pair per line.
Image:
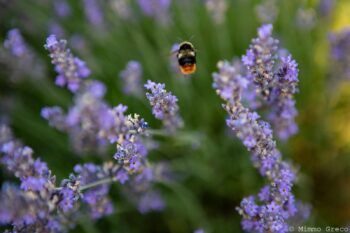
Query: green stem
x=97 y=183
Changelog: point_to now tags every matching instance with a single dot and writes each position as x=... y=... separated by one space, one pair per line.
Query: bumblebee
x=186 y=57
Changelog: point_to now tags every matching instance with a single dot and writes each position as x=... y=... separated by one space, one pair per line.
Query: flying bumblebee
x=186 y=57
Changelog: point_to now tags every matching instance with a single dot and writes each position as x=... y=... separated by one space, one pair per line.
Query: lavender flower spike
x=259 y=59
x=71 y=70
x=15 y=43
x=131 y=78
x=277 y=201
x=164 y=106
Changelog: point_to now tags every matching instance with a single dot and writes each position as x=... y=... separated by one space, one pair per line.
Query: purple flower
x=67 y=199
x=70 y=70
x=159 y=9
x=15 y=43
x=256 y=135
x=339 y=54
x=275 y=84
x=164 y=106
x=62 y=8
x=326 y=7
x=96 y=198
x=93 y=13
x=131 y=78
x=151 y=201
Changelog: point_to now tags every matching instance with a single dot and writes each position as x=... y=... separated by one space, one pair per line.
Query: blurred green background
x=214 y=177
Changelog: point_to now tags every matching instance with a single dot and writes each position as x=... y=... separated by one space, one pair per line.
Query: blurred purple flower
x=131 y=78
x=15 y=43
x=340 y=50
x=159 y=9
x=93 y=12
x=62 y=8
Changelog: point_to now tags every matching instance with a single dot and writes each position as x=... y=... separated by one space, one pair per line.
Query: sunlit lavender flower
x=93 y=12
x=159 y=9
x=62 y=8
x=275 y=77
x=164 y=106
x=15 y=43
x=267 y=11
x=340 y=53
x=131 y=78
x=217 y=9
x=71 y=70
x=283 y=111
x=305 y=18
x=256 y=135
x=260 y=59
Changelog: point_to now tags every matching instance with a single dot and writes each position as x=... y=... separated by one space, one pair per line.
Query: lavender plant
x=275 y=204
x=158 y=9
x=92 y=124
x=275 y=78
x=39 y=205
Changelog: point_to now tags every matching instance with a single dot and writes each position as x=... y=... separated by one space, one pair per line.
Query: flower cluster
x=275 y=77
x=15 y=43
x=158 y=9
x=35 y=204
x=164 y=106
x=131 y=78
x=276 y=200
x=71 y=70
x=20 y=57
x=62 y=8
x=91 y=123
x=340 y=48
x=93 y=12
